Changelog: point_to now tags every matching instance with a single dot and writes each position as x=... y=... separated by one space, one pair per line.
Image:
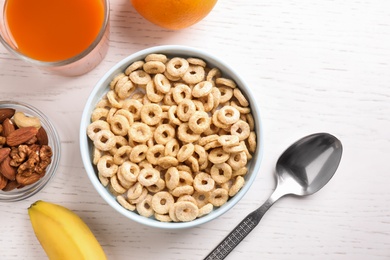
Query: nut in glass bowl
x=29 y=153
x=170 y=137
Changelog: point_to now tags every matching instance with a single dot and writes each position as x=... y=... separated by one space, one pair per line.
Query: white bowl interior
x=102 y=88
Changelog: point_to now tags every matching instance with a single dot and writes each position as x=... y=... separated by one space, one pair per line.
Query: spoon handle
x=239 y=232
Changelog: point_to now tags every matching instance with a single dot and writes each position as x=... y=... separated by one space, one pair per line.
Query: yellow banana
x=63 y=234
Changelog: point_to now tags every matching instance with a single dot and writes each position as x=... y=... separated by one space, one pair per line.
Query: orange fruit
x=174 y=14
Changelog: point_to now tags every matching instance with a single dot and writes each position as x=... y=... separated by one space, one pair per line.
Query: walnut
x=19 y=155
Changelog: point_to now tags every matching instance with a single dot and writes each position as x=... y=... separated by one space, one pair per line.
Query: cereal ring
x=97 y=154
x=208 y=102
x=168 y=98
x=189 y=198
x=154 y=153
x=217 y=155
x=183 y=167
x=156 y=57
x=185 y=152
x=212 y=130
x=211 y=145
x=172 y=178
x=206 y=209
x=162 y=217
x=194 y=74
x=167 y=162
x=138 y=153
x=124 y=88
x=180 y=92
x=162 y=83
x=242 y=110
x=99 y=113
x=228 y=140
x=162 y=201
x=119 y=142
x=129 y=171
x=252 y=142
x=199 y=122
x=140 y=132
x=152 y=92
x=193 y=163
x=202 y=89
x=157 y=187
x=213 y=74
x=172 y=148
x=103 y=103
x=218 y=197
x=134 y=66
x=198 y=105
x=237 y=160
x=106 y=166
x=144 y=207
x=95 y=127
x=201 y=198
x=151 y=114
x=186 y=211
x=221 y=173
x=225 y=82
x=164 y=133
x=141 y=197
x=177 y=67
x=250 y=120
x=183 y=190
x=148 y=176
x=240 y=97
x=185 y=178
x=207 y=139
x=240 y=172
x=134 y=107
x=104 y=140
x=234 y=148
x=135 y=191
x=237 y=185
x=172 y=115
x=119 y=125
x=170 y=77
x=122 y=154
x=200 y=154
x=117 y=78
x=203 y=182
x=140 y=77
x=185 y=109
x=123 y=202
x=216 y=97
x=226 y=94
x=116 y=185
x=126 y=113
x=197 y=61
x=154 y=67
x=218 y=122
x=241 y=129
x=185 y=134
x=114 y=99
x=228 y=115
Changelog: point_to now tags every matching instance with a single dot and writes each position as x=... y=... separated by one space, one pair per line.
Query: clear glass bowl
x=54 y=143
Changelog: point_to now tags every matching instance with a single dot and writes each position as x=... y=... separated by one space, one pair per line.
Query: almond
x=21 y=135
x=3 y=181
x=7 y=170
x=6 y=113
x=8 y=127
x=42 y=136
x=4 y=152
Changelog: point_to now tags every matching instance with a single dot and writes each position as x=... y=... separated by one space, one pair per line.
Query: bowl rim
x=102 y=84
x=30 y=190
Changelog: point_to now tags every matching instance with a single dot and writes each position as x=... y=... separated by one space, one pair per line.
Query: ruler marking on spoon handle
x=234 y=238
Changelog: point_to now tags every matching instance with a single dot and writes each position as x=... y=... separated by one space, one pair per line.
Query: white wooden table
x=314 y=66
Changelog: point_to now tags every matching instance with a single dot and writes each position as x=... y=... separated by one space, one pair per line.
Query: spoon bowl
x=303 y=169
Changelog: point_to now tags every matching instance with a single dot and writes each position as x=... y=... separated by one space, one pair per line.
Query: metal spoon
x=303 y=169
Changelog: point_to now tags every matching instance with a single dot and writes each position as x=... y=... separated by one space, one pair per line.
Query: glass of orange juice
x=66 y=37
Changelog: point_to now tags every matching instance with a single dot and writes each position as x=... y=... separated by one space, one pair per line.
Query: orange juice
x=53 y=30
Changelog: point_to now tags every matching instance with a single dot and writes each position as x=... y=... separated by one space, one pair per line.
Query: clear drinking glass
x=77 y=65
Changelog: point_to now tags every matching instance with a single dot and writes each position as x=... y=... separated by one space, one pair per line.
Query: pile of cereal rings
x=172 y=138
